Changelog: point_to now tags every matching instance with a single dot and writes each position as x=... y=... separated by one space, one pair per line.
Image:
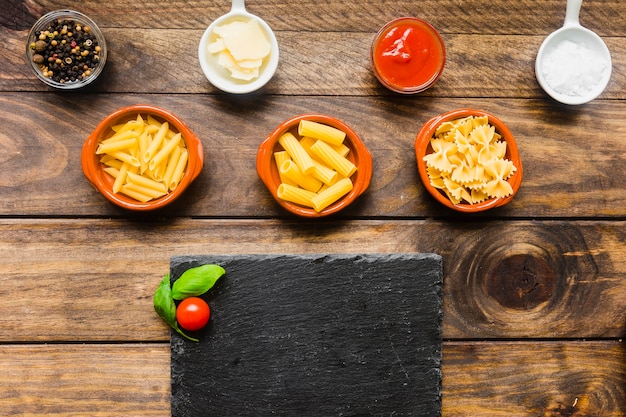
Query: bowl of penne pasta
x=468 y=160
x=314 y=165
x=142 y=157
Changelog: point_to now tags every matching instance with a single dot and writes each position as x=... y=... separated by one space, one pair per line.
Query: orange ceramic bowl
x=423 y=147
x=359 y=155
x=103 y=182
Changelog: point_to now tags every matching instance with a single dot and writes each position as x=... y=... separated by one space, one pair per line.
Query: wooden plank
x=490 y=379
x=450 y=16
x=476 y=66
x=569 y=166
x=93 y=279
x=548 y=379
x=85 y=380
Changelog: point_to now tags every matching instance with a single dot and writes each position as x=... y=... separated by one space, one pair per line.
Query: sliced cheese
x=250 y=63
x=217 y=46
x=241 y=46
x=226 y=60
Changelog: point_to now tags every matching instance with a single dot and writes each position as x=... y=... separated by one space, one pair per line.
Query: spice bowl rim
x=415 y=89
x=217 y=76
x=359 y=154
x=92 y=167
x=422 y=147
x=41 y=24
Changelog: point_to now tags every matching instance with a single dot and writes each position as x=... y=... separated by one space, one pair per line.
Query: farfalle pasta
x=468 y=162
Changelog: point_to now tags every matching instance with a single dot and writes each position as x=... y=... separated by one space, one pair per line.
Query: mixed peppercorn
x=66 y=51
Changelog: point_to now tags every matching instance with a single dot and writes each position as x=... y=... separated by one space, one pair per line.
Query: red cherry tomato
x=193 y=313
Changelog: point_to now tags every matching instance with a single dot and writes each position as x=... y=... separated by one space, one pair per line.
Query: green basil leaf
x=163 y=301
x=196 y=281
x=165 y=307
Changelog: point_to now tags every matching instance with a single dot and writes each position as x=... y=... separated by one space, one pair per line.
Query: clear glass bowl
x=416 y=74
x=69 y=60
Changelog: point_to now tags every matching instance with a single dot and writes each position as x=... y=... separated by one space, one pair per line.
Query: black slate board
x=314 y=335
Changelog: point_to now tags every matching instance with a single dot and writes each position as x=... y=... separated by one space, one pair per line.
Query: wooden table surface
x=534 y=292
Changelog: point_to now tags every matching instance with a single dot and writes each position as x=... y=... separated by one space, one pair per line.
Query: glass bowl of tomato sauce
x=408 y=55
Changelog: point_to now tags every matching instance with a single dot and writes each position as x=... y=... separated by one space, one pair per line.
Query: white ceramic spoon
x=219 y=76
x=573 y=64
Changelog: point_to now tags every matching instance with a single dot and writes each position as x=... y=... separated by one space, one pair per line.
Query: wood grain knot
x=578 y=408
x=520 y=281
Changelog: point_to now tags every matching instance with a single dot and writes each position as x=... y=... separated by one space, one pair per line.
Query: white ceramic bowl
x=219 y=76
x=570 y=86
x=573 y=64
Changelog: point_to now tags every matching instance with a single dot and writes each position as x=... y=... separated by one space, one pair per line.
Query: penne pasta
x=117 y=145
x=134 y=194
x=104 y=158
x=144 y=141
x=178 y=170
x=152 y=121
x=125 y=157
x=121 y=178
x=299 y=155
x=171 y=165
x=156 y=142
x=169 y=134
x=130 y=125
x=146 y=182
x=331 y=194
x=161 y=169
x=151 y=129
x=167 y=148
x=144 y=190
x=111 y=162
x=329 y=156
x=321 y=131
x=114 y=172
x=128 y=134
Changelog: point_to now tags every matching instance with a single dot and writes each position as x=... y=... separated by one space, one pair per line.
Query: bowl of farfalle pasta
x=314 y=165
x=142 y=157
x=468 y=160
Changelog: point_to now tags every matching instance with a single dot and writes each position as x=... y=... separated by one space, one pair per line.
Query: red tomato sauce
x=408 y=55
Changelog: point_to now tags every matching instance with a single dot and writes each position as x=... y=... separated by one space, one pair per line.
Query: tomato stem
x=175 y=327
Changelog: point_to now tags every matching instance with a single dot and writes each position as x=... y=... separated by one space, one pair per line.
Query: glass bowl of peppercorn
x=66 y=49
